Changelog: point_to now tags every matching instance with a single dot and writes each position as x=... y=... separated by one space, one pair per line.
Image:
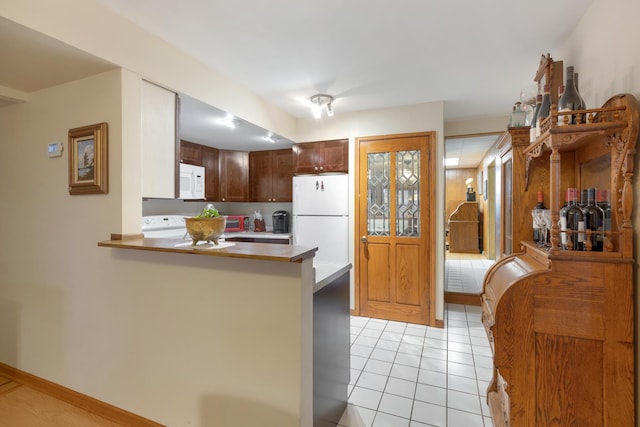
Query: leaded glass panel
x=408 y=193
x=378 y=198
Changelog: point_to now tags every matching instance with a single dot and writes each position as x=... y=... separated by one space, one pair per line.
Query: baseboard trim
x=76 y=399
x=460 y=298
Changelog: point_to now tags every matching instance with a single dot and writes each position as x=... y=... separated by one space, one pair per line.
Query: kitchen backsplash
x=190 y=208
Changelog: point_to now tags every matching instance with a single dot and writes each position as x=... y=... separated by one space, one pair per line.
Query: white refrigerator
x=321 y=215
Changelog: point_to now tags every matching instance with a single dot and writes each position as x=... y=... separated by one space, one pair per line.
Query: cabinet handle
x=321 y=167
x=315 y=168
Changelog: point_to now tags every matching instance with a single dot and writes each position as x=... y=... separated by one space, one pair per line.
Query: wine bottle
x=593 y=220
x=572 y=218
x=534 y=118
x=602 y=200
x=570 y=101
x=545 y=109
x=575 y=83
x=538 y=219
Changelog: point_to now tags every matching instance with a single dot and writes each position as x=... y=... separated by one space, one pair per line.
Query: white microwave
x=191 y=181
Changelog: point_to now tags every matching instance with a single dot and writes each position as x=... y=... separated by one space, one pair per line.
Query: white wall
x=388 y=121
x=183 y=340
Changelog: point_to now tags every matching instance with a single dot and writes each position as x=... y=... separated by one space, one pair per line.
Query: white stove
x=167 y=226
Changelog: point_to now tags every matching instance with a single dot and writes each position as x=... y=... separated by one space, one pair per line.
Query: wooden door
x=395 y=224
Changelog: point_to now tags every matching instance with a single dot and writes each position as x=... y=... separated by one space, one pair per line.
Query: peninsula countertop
x=258 y=251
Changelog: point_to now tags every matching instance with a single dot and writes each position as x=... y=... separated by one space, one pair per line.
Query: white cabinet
x=158 y=142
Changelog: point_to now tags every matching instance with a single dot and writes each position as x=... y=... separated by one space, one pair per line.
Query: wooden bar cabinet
x=561 y=322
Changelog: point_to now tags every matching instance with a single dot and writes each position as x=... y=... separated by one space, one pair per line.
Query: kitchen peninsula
x=269 y=340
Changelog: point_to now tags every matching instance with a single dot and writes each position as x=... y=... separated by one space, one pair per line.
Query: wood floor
x=23 y=406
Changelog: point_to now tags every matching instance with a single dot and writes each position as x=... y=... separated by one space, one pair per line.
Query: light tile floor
x=407 y=375
x=465 y=272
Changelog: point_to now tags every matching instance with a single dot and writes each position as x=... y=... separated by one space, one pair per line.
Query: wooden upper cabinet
x=270 y=175
x=190 y=153
x=210 y=161
x=234 y=176
x=282 y=175
x=321 y=156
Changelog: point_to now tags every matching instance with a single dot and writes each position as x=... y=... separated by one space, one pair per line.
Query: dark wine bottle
x=575 y=83
x=538 y=214
x=534 y=118
x=593 y=220
x=570 y=101
x=572 y=218
x=545 y=109
x=602 y=200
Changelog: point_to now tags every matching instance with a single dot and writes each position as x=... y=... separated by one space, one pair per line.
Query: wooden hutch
x=561 y=322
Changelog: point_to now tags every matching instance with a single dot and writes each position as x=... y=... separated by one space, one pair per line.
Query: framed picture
x=88 y=161
x=480 y=181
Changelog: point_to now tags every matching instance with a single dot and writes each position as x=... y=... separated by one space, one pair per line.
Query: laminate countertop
x=258 y=251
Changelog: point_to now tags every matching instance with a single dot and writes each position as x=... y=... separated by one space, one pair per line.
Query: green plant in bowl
x=208 y=226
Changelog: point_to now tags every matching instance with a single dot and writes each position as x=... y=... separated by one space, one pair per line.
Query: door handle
x=364 y=239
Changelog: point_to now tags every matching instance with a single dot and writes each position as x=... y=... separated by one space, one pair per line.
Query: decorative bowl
x=207 y=229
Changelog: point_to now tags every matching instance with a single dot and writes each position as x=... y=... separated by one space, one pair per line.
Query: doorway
x=470 y=168
x=395 y=227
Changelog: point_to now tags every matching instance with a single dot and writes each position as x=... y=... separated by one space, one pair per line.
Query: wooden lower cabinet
x=561 y=328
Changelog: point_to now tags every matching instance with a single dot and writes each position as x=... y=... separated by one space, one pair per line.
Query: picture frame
x=88 y=159
x=480 y=181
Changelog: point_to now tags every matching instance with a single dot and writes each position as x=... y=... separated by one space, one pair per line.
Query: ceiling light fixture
x=231 y=122
x=271 y=138
x=321 y=102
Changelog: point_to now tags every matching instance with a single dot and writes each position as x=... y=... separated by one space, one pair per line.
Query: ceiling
x=474 y=56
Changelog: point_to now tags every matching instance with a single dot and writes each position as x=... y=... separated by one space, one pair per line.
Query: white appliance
x=321 y=215
x=191 y=181
x=167 y=226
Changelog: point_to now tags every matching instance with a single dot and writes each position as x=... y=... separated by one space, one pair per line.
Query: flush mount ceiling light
x=270 y=137
x=321 y=102
x=231 y=122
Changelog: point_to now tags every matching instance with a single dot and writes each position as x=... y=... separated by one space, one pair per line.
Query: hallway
x=464 y=273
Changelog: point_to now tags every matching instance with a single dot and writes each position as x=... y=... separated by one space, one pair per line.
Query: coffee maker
x=281 y=222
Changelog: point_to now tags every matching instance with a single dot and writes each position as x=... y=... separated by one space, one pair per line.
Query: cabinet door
x=306 y=158
x=234 y=176
x=335 y=156
x=282 y=181
x=190 y=153
x=210 y=159
x=260 y=175
x=321 y=156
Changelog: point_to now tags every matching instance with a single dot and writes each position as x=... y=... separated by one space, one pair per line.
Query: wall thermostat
x=55 y=149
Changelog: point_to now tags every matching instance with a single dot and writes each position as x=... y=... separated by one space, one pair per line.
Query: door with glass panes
x=395 y=222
